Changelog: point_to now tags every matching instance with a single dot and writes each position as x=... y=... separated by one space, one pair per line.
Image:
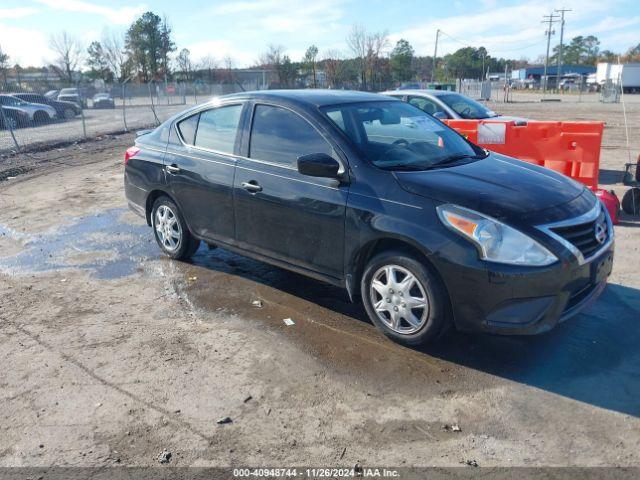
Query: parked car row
x=25 y=109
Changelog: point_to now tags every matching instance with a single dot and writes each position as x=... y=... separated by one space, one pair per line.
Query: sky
x=242 y=29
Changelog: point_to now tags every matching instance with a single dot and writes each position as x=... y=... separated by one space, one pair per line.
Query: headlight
x=496 y=241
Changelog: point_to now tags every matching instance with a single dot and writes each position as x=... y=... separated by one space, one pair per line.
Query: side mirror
x=318 y=165
x=440 y=115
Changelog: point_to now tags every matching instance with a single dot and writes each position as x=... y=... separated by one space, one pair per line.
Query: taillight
x=130 y=153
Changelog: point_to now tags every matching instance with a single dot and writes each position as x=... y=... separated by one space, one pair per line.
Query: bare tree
x=115 y=54
x=4 y=65
x=376 y=43
x=69 y=54
x=229 y=65
x=185 y=65
x=333 y=68
x=208 y=64
x=273 y=59
x=357 y=43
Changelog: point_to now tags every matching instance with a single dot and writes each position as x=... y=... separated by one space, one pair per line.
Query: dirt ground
x=113 y=354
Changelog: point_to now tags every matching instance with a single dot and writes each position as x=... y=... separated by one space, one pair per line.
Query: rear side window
x=218 y=128
x=281 y=136
x=188 y=127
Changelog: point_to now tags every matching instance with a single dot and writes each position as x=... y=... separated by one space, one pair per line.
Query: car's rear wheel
x=41 y=117
x=69 y=113
x=171 y=231
x=405 y=299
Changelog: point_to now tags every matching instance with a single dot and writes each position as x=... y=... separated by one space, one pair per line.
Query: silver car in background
x=37 y=112
x=444 y=104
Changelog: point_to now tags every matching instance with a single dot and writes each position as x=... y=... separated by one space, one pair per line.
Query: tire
x=631 y=201
x=69 y=113
x=40 y=117
x=171 y=231
x=427 y=323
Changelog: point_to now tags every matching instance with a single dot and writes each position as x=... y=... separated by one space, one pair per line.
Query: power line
x=500 y=50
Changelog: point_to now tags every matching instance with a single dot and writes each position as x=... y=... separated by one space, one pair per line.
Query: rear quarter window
x=188 y=127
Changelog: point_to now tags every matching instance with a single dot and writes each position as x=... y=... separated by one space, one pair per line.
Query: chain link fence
x=34 y=114
x=135 y=106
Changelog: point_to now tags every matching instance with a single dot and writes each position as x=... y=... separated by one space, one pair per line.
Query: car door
x=279 y=212
x=200 y=170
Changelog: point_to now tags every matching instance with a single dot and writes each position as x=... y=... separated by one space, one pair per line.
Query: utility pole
x=559 y=68
x=435 y=55
x=550 y=19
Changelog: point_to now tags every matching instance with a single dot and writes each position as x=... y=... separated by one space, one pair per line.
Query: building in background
x=531 y=77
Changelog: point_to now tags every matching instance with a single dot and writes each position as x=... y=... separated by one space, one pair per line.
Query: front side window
x=281 y=136
x=466 y=108
x=398 y=136
x=218 y=128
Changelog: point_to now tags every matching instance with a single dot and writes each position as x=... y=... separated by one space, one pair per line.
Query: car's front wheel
x=69 y=113
x=171 y=231
x=405 y=299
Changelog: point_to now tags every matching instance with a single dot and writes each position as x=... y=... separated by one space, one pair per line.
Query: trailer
x=626 y=75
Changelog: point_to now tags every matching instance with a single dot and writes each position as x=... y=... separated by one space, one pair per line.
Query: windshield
x=465 y=107
x=68 y=91
x=10 y=101
x=101 y=96
x=398 y=136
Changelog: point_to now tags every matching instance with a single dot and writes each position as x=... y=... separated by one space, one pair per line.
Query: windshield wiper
x=455 y=158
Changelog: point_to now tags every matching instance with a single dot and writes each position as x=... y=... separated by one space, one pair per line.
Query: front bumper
x=525 y=301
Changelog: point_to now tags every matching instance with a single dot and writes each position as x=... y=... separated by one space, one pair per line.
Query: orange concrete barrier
x=571 y=148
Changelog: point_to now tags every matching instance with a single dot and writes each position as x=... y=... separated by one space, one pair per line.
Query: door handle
x=251 y=186
x=172 y=169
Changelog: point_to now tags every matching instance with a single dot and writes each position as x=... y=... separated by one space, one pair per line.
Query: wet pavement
x=593 y=358
x=104 y=244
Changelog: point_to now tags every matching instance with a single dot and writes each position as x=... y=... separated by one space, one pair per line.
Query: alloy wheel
x=168 y=228
x=399 y=299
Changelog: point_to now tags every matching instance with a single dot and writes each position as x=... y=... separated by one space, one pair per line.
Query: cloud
x=24 y=46
x=509 y=31
x=118 y=16
x=219 y=49
x=284 y=16
x=17 y=12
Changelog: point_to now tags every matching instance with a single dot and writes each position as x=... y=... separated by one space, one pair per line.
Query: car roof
x=314 y=97
x=428 y=92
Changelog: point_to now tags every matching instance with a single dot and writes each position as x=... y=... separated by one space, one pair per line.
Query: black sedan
x=66 y=110
x=103 y=100
x=372 y=194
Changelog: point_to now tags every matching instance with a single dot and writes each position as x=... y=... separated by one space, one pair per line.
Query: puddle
x=103 y=243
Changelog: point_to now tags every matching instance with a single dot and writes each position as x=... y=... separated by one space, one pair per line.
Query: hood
x=509 y=118
x=32 y=106
x=499 y=186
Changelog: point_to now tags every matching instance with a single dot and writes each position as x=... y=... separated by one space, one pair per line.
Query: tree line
x=147 y=52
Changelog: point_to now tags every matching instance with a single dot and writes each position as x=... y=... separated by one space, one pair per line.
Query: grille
x=579 y=296
x=583 y=235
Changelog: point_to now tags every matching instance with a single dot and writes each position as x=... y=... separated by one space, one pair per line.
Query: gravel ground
x=114 y=354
